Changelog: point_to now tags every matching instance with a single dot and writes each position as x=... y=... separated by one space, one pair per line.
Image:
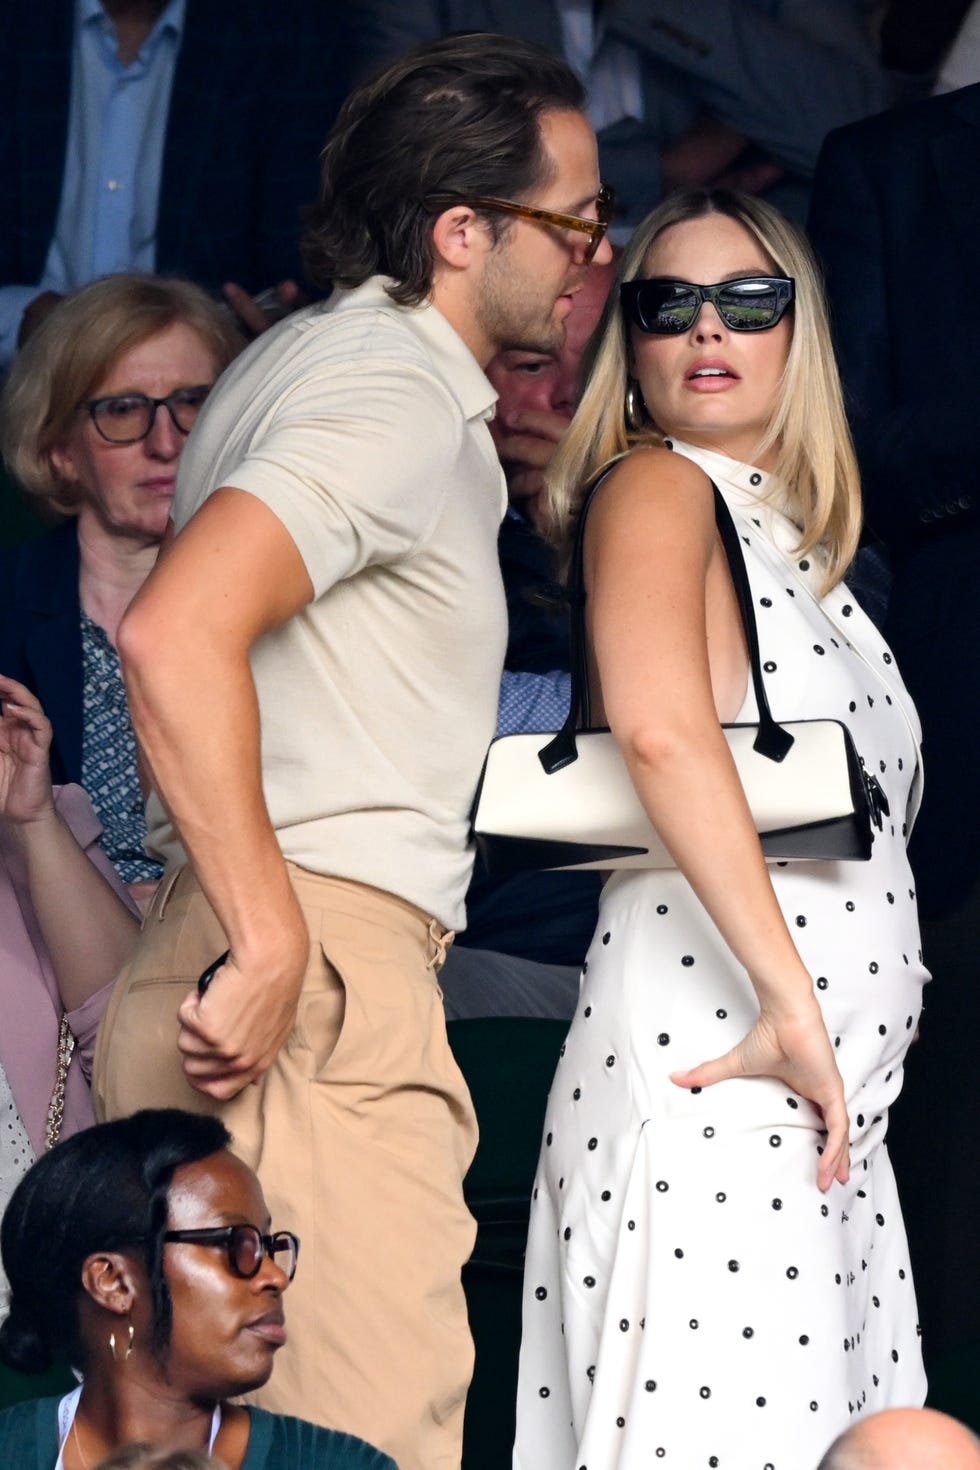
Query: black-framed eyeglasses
x=594 y=228
x=125 y=418
x=663 y=307
x=246 y=1246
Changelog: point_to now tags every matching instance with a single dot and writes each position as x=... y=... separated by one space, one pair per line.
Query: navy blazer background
x=256 y=88
x=896 y=218
x=41 y=638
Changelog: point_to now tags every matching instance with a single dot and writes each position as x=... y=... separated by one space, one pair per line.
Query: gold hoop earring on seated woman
x=129 y=1344
x=634 y=409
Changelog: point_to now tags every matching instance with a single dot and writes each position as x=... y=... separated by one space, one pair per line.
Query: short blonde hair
x=815 y=460
x=73 y=349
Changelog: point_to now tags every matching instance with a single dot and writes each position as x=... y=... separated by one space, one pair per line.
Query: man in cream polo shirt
x=313 y=670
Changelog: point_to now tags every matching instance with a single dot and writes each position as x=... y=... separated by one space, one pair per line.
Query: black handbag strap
x=771 y=739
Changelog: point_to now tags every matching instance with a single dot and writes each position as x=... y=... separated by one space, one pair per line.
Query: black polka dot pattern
x=707 y=1283
x=16 y=1157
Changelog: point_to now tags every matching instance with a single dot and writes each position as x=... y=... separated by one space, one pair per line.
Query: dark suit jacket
x=40 y=636
x=548 y=917
x=896 y=218
x=537 y=638
x=256 y=88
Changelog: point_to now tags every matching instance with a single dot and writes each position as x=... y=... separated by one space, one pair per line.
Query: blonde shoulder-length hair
x=70 y=353
x=815 y=462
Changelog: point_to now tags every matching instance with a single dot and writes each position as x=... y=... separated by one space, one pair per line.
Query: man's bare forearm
x=232 y=575
x=195 y=714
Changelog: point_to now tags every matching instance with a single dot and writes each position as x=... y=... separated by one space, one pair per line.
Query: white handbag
x=570 y=803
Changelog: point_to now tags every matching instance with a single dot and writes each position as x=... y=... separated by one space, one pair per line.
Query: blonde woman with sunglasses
x=717 y=1271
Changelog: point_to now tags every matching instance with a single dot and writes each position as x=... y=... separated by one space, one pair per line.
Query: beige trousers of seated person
x=360 y=1133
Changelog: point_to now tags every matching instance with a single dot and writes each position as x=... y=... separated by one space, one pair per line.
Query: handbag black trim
x=845 y=836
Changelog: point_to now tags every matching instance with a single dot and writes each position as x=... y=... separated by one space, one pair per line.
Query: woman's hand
x=796 y=1049
x=25 y=739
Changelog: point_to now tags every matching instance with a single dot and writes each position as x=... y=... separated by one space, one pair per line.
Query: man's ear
x=109 y=1278
x=460 y=236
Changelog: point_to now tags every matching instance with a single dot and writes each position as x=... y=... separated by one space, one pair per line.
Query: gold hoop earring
x=634 y=409
x=129 y=1344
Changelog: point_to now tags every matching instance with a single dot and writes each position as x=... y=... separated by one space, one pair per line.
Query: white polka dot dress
x=690 y=1295
x=16 y=1157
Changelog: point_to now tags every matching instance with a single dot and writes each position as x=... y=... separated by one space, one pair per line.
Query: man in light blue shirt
x=526 y=936
x=120 y=95
x=170 y=135
x=536 y=397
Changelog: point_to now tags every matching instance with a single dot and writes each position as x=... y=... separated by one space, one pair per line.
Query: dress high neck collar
x=746 y=484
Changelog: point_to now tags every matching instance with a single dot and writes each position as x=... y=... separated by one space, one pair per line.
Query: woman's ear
x=63 y=464
x=111 y=1281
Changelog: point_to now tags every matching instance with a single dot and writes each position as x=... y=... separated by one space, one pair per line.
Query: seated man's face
x=537 y=394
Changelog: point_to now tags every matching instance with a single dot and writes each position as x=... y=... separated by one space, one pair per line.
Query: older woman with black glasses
x=717 y=1271
x=93 y=419
x=140 y=1254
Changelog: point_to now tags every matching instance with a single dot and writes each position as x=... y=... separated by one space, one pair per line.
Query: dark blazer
x=40 y=636
x=549 y=917
x=896 y=218
x=256 y=88
x=537 y=637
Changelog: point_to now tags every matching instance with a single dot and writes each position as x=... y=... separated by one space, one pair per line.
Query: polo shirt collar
x=455 y=362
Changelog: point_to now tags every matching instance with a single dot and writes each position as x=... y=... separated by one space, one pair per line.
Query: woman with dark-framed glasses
x=717 y=1271
x=94 y=417
x=140 y=1253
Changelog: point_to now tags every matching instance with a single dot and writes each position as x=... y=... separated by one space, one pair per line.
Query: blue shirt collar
x=171 y=18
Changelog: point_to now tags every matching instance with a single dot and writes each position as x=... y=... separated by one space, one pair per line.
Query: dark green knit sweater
x=29 y=1441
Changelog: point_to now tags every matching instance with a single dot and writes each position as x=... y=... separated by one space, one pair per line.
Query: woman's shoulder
x=279 y=1442
x=649 y=484
x=649 y=466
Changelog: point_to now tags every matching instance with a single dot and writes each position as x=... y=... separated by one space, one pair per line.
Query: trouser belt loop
x=167 y=885
x=439 y=941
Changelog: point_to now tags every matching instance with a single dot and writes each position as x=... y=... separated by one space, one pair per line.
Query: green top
x=29 y=1441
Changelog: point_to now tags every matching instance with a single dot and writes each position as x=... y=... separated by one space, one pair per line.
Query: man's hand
x=754 y=176
x=230 y=1035
x=258 y=313
x=708 y=149
x=526 y=447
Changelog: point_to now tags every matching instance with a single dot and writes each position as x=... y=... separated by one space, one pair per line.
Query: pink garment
x=30 y=1005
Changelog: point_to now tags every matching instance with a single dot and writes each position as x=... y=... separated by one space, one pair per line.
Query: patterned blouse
x=109 y=772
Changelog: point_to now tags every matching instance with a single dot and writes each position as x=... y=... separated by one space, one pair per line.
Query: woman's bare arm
x=87 y=928
x=665 y=635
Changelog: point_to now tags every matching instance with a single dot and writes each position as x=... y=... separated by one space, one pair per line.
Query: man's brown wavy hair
x=458 y=117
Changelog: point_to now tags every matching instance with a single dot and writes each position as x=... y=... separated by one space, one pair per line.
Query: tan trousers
x=360 y=1133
